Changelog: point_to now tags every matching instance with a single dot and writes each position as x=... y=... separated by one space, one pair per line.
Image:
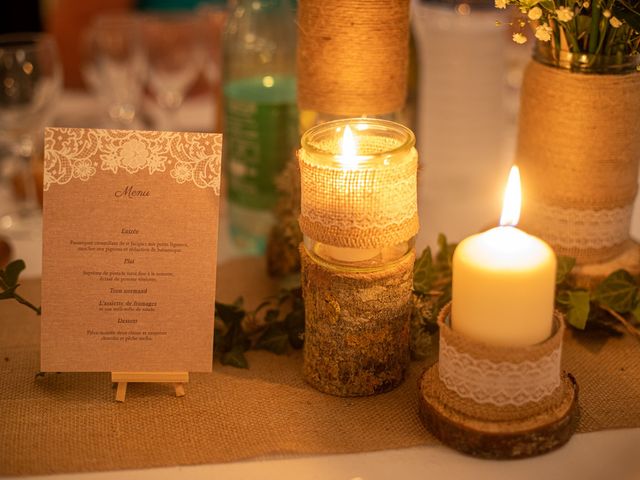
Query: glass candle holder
x=358 y=199
x=359 y=219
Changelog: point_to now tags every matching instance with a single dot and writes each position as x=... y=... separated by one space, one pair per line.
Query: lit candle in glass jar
x=358 y=191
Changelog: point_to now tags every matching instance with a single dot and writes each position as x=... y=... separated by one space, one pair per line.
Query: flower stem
x=630 y=328
x=596 y=11
x=27 y=303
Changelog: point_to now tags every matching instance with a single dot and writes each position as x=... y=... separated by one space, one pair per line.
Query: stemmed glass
x=30 y=83
x=115 y=67
x=175 y=54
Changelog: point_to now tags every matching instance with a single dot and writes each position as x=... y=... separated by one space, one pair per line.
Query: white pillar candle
x=504 y=281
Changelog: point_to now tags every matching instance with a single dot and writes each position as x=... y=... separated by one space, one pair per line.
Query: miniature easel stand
x=123 y=378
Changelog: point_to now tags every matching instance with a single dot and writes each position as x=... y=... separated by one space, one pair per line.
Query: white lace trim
x=573 y=228
x=502 y=383
x=76 y=153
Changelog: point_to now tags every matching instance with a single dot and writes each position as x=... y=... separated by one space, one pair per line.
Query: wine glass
x=175 y=55
x=115 y=67
x=30 y=83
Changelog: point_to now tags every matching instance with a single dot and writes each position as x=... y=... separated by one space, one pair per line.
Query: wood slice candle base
x=498 y=440
x=356 y=325
x=498 y=402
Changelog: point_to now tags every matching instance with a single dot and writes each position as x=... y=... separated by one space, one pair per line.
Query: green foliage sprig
x=617 y=298
x=9 y=284
x=276 y=325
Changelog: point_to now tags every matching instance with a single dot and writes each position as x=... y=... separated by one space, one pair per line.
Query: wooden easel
x=123 y=378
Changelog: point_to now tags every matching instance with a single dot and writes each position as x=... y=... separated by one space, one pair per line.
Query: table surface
x=607 y=454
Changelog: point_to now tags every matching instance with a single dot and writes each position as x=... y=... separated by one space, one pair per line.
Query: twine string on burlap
x=578 y=152
x=353 y=56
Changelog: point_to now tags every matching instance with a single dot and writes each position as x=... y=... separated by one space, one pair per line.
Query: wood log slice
x=498 y=440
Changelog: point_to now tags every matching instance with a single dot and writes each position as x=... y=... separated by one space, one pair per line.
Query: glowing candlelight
x=504 y=281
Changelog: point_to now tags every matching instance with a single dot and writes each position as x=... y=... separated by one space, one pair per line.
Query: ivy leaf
x=423 y=272
x=565 y=265
x=577 y=307
x=12 y=272
x=235 y=358
x=275 y=339
x=7 y=294
x=618 y=292
x=295 y=326
x=230 y=313
x=444 y=258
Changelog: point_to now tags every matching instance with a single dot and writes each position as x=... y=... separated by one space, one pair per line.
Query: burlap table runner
x=69 y=422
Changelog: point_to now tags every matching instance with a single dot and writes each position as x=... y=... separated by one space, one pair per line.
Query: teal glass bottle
x=260 y=115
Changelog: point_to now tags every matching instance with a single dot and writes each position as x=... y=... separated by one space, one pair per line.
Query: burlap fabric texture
x=70 y=422
x=353 y=56
x=578 y=151
x=367 y=207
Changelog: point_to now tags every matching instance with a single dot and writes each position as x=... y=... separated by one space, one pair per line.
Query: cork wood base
x=498 y=440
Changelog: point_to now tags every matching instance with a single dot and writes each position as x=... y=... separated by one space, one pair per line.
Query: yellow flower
x=501 y=3
x=543 y=32
x=519 y=38
x=606 y=14
x=564 y=14
x=615 y=23
x=535 y=13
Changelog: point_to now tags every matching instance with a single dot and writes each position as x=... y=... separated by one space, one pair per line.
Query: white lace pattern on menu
x=74 y=153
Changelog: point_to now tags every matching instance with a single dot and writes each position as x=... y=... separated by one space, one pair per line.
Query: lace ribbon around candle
x=499 y=376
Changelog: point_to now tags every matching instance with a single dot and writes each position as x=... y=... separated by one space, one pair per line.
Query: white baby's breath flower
x=501 y=3
x=535 y=13
x=606 y=14
x=519 y=38
x=586 y=4
x=564 y=14
x=543 y=32
x=615 y=23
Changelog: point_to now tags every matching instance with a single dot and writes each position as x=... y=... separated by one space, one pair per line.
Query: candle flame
x=512 y=199
x=349 y=154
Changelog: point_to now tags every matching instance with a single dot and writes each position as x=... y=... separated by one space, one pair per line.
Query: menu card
x=129 y=250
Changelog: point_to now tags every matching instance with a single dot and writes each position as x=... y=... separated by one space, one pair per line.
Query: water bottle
x=260 y=115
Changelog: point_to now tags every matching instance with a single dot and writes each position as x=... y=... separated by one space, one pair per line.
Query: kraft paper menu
x=129 y=250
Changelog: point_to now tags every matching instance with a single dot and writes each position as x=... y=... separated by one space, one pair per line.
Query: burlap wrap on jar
x=578 y=151
x=353 y=56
